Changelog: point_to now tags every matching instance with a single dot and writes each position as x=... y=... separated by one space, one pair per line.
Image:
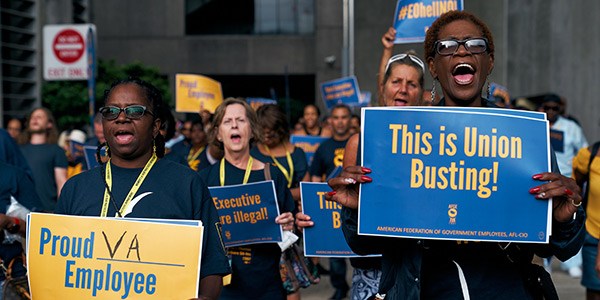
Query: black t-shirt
x=201 y=162
x=11 y=154
x=15 y=182
x=298 y=160
x=489 y=278
x=43 y=159
x=173 y=192
x=255 y=268
x=328 y=156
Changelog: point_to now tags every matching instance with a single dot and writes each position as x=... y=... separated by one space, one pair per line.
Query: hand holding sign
x=345 y=186
x=565 y=192
x=388 y=39
x=286 y=220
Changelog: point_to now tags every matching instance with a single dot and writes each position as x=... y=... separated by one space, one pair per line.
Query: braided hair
x=156 y=101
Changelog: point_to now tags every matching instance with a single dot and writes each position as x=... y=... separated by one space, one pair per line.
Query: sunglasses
x=548 y=108
x=131 y=112
x=402 y=56
x=473 y=45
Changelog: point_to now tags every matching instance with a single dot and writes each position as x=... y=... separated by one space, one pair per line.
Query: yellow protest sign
x=194 y=93
x=74 y=257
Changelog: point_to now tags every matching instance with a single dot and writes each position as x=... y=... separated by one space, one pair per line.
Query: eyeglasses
x=548 y=108
x=449 y=47
x=131 y=112
x=398 y=57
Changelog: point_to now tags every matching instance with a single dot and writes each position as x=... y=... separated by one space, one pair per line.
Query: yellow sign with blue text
x=194 y=93
x=74 y=257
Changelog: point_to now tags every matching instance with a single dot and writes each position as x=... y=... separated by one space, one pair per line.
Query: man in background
x=327 y=162
x=14 y=126
x=47 y=160
x=567 y=138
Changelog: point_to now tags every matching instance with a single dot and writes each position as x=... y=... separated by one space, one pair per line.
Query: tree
x=68 y=100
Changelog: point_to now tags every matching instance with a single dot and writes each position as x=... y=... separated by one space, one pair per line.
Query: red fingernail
x=366 y=178
x=568 y=192
x=537 y=176
x=330 y=194
x=366 y=170
x=534 y=190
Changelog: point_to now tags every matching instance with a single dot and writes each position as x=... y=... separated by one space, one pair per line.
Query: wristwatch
x=14 y=227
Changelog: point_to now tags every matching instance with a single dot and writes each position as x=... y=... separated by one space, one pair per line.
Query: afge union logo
x=452 y=212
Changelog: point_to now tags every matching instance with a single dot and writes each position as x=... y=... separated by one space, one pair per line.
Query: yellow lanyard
x=193 y=155
x=289 y=176
x=246 y=174
x=136 y=185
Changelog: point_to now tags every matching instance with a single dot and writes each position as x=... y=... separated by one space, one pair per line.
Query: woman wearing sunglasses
x=401 y=84
x=136 y=183
x=460 y=55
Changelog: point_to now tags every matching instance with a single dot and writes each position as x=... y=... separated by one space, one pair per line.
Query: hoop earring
x=433 y=93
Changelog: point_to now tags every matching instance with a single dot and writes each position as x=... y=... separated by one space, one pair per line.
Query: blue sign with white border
x=247 y=213
x=341 y=91
x=412 y=18
x=454 y=174
x=325 y=238
x=308 y=143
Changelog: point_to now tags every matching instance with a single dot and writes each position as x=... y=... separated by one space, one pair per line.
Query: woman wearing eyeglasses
x=460 y=55
x=136 y=183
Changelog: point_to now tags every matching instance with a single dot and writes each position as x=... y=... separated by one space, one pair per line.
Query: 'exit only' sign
x=65 y=51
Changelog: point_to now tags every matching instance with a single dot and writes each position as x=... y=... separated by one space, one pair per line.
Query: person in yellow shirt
x=586 y=165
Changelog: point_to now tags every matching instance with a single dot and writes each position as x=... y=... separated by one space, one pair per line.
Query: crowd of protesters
x=42 y=170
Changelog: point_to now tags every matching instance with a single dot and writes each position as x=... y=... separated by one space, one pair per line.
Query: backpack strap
x=267 y=171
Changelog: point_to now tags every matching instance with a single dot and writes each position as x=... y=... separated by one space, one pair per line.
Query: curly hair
x=432 y=33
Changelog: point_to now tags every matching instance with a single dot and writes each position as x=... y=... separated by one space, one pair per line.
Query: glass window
x=249 y=17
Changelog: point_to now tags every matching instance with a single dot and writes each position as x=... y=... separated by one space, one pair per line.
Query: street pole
x=348 y=38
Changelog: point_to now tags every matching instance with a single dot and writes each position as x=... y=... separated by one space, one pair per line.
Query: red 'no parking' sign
x=68 y=46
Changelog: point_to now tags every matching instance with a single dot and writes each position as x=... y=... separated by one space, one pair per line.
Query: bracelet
x=576 y=204
x=14 y=228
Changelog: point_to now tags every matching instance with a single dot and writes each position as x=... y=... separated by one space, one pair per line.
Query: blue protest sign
x=452 y=174
x=90 y=156
x=325 y=238
x=247 y=213
x=308 y=143
x=258 y=102
x=486 y=110
x=412 y=18
x=76 y=149
x=557 y=140
x=365 y=99
x=344 y=90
